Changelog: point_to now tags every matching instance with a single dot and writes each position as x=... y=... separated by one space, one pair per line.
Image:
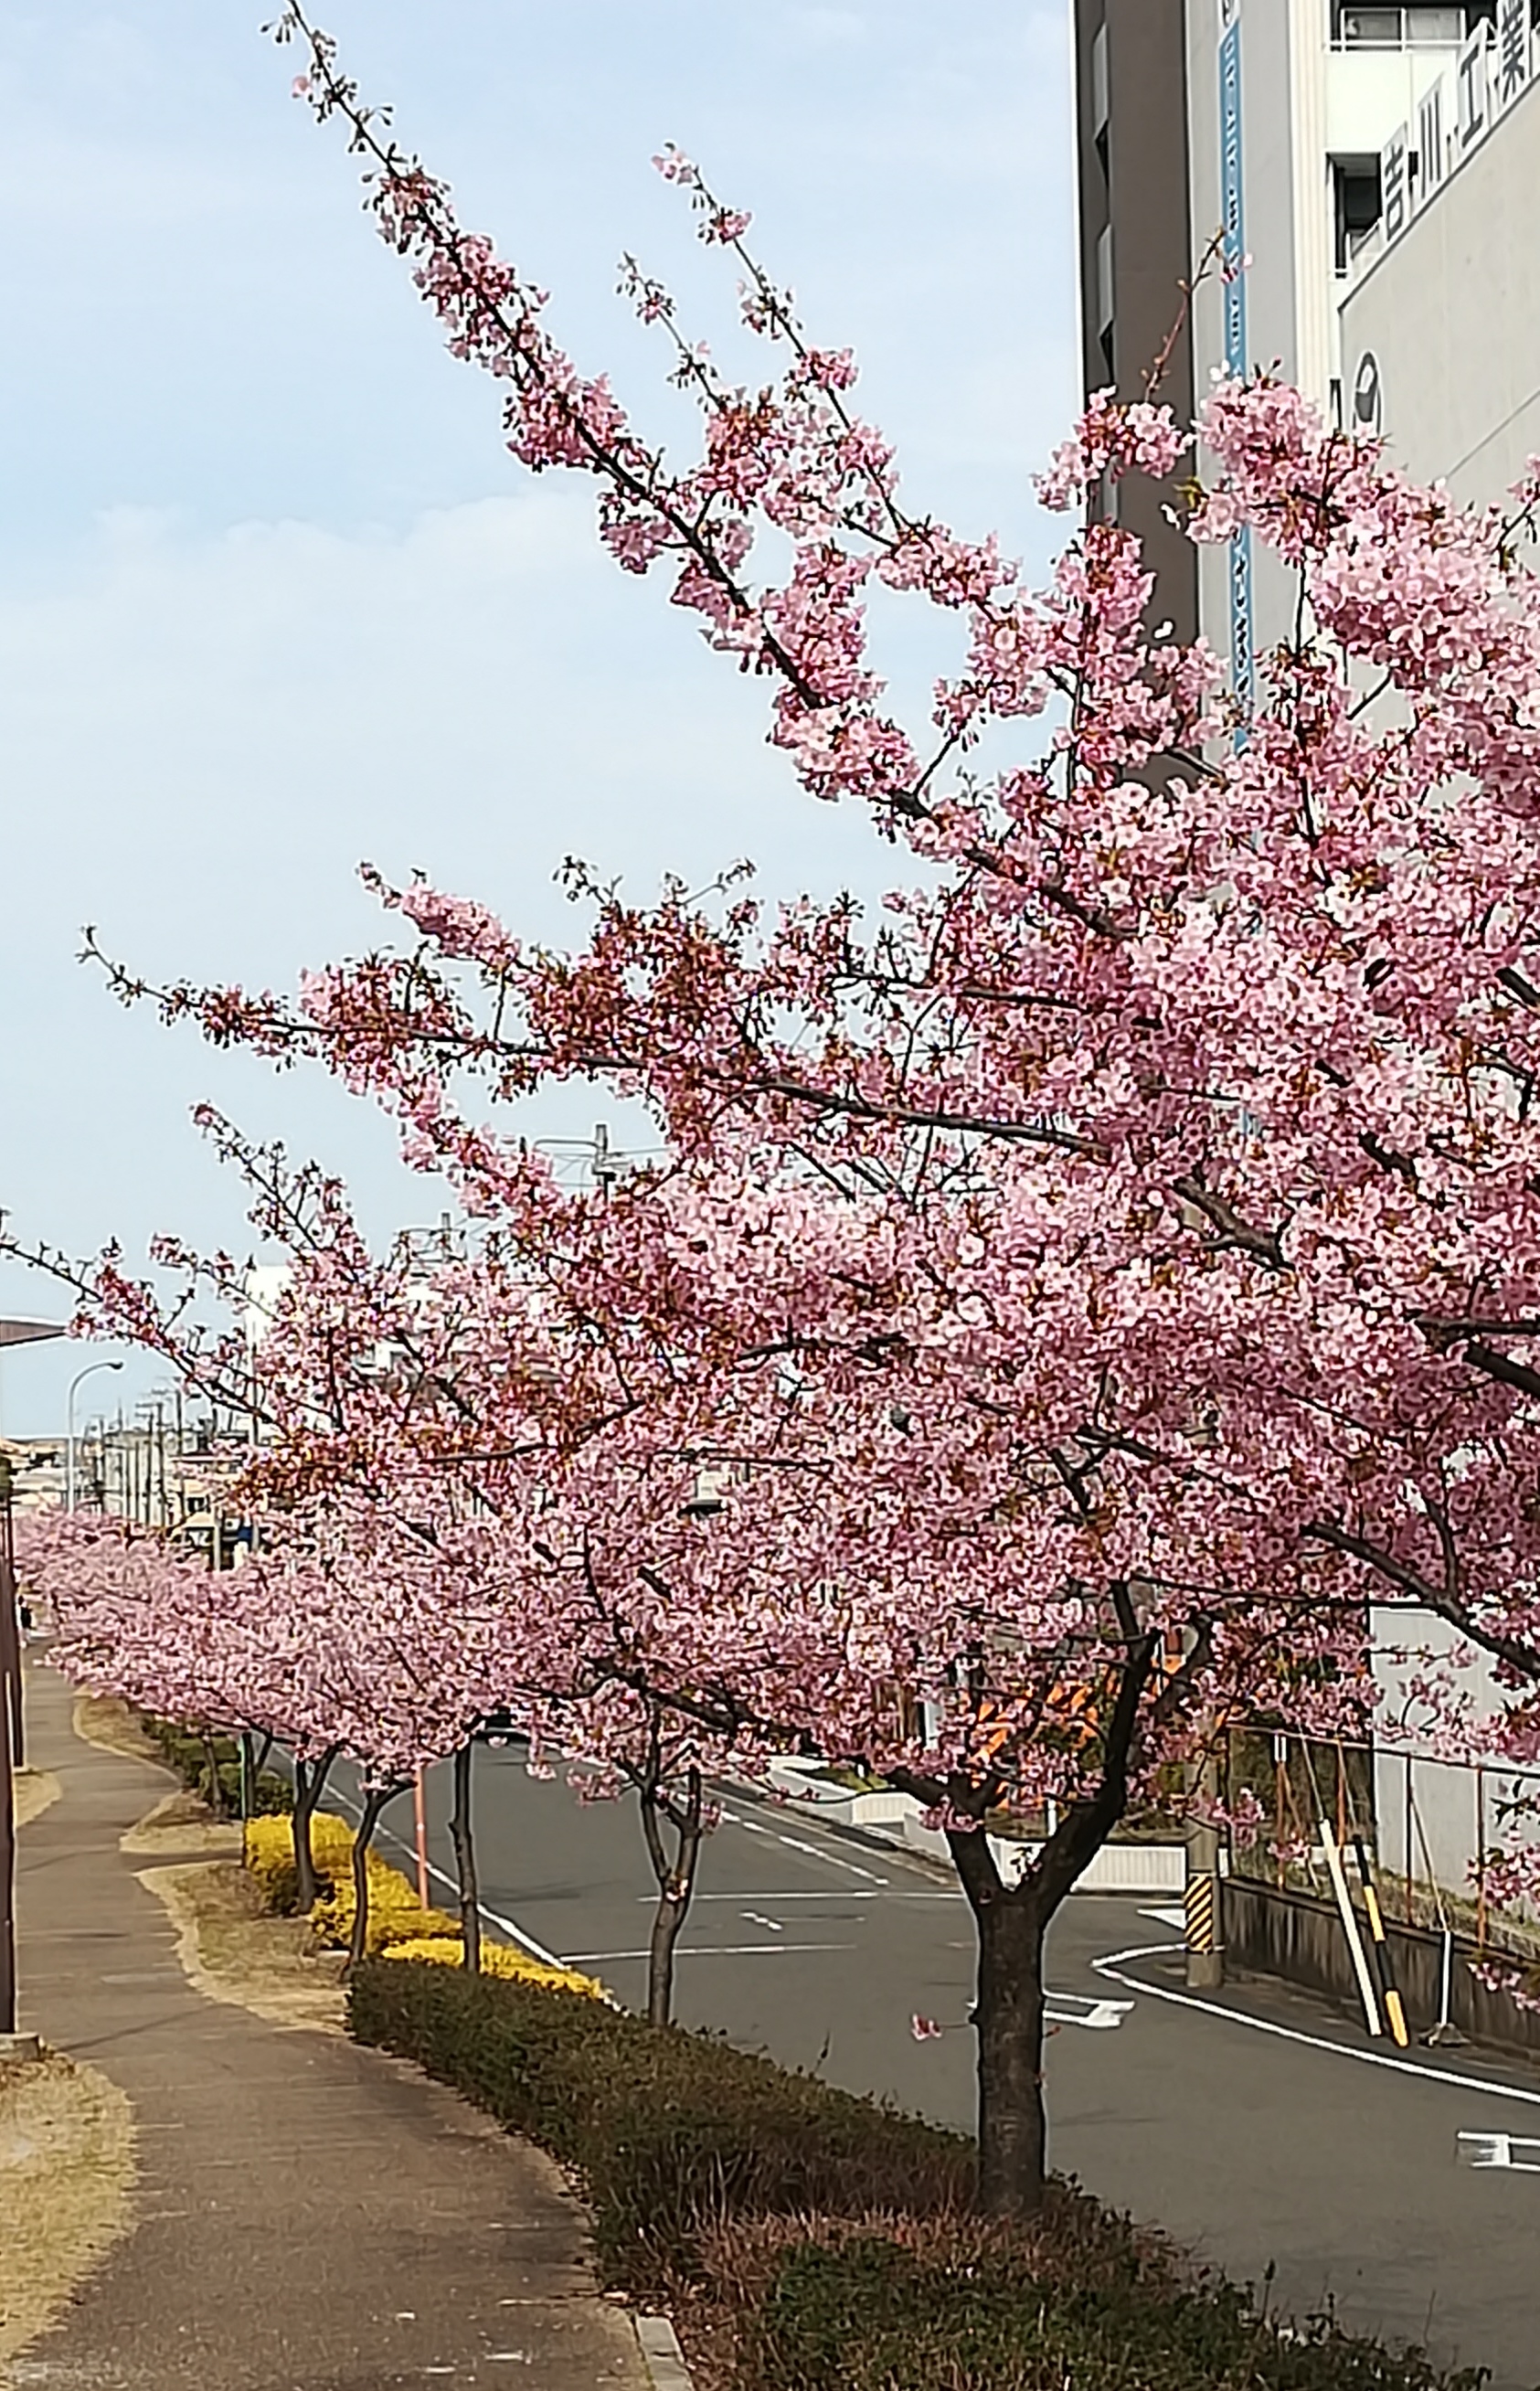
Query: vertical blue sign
x=1232 y=176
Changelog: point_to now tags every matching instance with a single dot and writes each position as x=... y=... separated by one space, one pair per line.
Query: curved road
x=1256 y=2126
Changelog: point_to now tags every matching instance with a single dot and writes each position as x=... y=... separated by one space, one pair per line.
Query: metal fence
x=1434 y=1828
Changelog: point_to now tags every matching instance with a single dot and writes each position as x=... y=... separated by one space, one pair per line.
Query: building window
x=1104 y=278
x=1357 y=194
x=1412 y=27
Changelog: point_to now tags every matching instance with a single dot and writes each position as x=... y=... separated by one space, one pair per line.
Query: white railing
x=1400 y=28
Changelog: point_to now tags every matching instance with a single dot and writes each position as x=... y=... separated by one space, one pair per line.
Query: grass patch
x=219 y=1783
x=66 y=2168
x=36 y=1789
x=233 y=1949
x=812 y=2241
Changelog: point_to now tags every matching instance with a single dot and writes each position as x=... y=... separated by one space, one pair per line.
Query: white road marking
x=754 y=1919
x=794 y=1842
x=1497 y=2151
x=1177 y=1918
x=1099 y=2014
x=1112 y=1965
x=705 y=1951
x=386 y=1835
x=834 y=1893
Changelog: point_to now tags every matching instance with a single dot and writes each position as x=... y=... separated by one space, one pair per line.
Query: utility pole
x=10 y=1633
x=606 y=1164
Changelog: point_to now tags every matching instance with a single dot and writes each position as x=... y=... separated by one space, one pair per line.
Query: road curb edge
x=661 y=2353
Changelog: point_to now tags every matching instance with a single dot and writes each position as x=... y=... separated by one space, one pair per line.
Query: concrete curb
x=661 y=2353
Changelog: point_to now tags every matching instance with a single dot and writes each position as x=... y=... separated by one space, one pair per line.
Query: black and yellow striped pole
x=1203 y=1904
x=1200 y=1901
x=1389 y=1996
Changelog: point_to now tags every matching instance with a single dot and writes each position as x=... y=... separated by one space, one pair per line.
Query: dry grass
x=102 y=1719
x=66 y=2171
x=36 y=1790
x=182 y=1822
x=234 y=1951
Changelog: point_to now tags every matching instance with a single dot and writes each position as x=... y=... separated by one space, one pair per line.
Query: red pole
x=420 y=1820
x=7 y=1868
x=10 y=1753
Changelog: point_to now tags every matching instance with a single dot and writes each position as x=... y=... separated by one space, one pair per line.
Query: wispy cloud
x=271 y=596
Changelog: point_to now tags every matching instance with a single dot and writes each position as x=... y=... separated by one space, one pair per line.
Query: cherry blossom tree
x=1086 y=1288
x=914 y=1556
x=1282 y=998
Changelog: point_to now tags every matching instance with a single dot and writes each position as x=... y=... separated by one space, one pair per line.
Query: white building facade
x=1380 y=167
x=1297 y=111
x=1440 y=321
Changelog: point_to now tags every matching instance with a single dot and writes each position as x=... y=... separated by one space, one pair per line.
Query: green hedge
x=185 y=1753
x=869 y=2315
x=834 y=2234
x=669 y=2132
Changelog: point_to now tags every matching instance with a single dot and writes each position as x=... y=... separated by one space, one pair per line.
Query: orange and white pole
x=419 y=1821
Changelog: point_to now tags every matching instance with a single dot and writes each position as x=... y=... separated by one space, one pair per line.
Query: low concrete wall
x=1289 y=1935
x=1157 y=1870
x=1154 y=1869
x=837 y=1804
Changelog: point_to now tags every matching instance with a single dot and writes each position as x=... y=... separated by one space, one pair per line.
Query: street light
x=78 y=1381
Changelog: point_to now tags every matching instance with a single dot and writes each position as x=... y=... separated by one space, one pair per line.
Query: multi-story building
x=1301 y=134
x=1131 y=108
x=1440 y=317
x=1380 y=167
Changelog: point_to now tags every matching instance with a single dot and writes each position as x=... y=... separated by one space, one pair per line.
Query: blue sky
x=274 y=599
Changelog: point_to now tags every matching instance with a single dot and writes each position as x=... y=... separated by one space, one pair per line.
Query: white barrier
x=1155 y=1869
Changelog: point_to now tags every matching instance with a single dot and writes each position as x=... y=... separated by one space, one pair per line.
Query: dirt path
x=308 y=2214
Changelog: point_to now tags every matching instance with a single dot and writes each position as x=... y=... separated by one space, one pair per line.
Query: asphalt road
x=1257 y=2128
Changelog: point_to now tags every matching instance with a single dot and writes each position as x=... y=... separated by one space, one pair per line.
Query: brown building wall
x=1132 y=177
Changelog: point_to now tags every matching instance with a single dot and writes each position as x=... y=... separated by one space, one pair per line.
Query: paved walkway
x=309 y=2216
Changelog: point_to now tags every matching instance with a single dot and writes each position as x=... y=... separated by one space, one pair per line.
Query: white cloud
x=259 y=616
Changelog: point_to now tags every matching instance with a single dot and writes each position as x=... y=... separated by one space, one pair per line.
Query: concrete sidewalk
x=308 y=2215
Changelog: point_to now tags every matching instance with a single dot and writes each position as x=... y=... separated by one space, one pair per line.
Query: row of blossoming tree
x=1073 y=1302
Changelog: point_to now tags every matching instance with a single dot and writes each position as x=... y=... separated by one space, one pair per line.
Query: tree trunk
x=211 y=1756
x=1013 y=2119
x=255 y=1755
x=305 y=1864
x=676 y=1882
x=310 y=1777
x=465 y=1860
x=667 y=1919
x=1008 y=2017
x=374 y=1801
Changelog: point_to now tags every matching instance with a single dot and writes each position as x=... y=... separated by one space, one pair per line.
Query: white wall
x=1452 y=312
x=1456 y=1808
